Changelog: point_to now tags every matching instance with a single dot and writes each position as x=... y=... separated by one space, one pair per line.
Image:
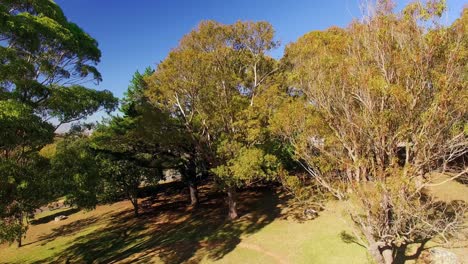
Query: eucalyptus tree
x=44 y=60
x=157 y=129
x=211 y=83
x=389 y=83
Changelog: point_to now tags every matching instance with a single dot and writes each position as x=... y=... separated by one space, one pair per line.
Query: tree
x=44 y=59
x=183 y=98
x=160 y=129
x=135 y=99
x=76 y=171
x=23 y=170
x=124 y=161
x=389 y=84
x=211 y=83
x=122 y=178
x=133 y=149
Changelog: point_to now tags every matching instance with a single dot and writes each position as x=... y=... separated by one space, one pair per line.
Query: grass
x=447 y=192
x=452 y=190
x=171 y=232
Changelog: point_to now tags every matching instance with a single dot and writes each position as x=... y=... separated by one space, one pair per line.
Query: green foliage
x=77 y=172
x=224 y=110
x=131 y=149
x=247 y=166
x=343 y=103
x=135 y=95
x=24 y=187
x=122 y=178
x=124 y=161
x=39 y=29
x=23 y=182
x=19 y=126
x=43 y=57
x=76 y=102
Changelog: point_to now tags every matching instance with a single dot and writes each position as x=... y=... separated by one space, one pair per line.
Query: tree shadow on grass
x=46 y=219
x=65 y=230
x=402 y=252
x=174 y=233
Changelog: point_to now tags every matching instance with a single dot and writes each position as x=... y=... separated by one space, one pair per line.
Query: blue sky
x=139 y=33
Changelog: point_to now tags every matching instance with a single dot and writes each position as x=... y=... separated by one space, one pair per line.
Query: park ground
x=168 y=231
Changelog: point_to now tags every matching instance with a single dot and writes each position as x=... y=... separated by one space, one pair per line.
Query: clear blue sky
x=139 y=33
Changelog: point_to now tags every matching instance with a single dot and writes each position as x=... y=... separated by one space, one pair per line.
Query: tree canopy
x=45 y=59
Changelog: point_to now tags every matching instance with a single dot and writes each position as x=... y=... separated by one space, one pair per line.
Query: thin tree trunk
x=135 y=207
x=193 y=194
x=232 y=203
x=20 y=236
x=135 y=210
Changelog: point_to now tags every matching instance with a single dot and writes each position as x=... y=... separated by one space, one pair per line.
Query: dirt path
x=257 y=248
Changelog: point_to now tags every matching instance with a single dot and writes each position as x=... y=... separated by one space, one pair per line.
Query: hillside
x=171 y=232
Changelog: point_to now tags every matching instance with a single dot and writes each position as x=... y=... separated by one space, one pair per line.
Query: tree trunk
x=373 y=247
x=232 y=203
x=135 y=207
x=375 y=253
x=193 y=194
x=387 y=254
x=20 y=239
x=20 y=235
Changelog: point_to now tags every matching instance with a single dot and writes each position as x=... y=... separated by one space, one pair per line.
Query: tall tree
x=182 y=97
x=211 y=82
x=44 y=59
x=388 y=84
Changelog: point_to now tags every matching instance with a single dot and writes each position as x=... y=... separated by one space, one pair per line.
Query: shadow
x=401 y=256
x=46 y=219
x=65 y=230
x=173 y=232
x=168 y=188
x=350 y=239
